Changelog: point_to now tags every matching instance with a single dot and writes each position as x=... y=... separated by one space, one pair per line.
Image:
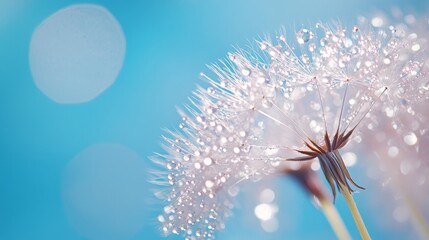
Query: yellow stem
x=355 y=213
x=418 y=220
x=334 y=219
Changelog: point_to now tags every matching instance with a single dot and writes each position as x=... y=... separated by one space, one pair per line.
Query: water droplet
x=368 y=63
x=377 y=21
x=210 y=110
x=168 y=209
x=415 y=47
x=355 y=28
x=303 y=36
x=266 y=103
x=207 y=161
x=161 y=218
x=236 y=150
x=305 y=58
x=245 y=71
x=187 y=157
x=209 y=183
x=347 y=42
x=242 y=133
x=390 y=112
x=170 y=165
x=410 y=139
x=275 y=163
x=312 y=47
x=201 y=119
x=323 y=41
x=414 y=68
x=197 y=165
x=354 y=50
x=210 y=90
x=386 y=61
x=271 y=150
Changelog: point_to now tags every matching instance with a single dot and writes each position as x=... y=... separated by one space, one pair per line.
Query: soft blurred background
x=75 y=144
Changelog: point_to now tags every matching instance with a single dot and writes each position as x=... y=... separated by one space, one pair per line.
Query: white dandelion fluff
x=290 y=100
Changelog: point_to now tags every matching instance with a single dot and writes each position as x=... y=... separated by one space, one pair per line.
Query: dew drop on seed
x=312 y=47
x=210 y=90
x=245 y=72
x=197 y=165
x=305 y=58
x=209 y=184
x=303 y=36
x=208 y=161
x=236 y=150
x=267 y=103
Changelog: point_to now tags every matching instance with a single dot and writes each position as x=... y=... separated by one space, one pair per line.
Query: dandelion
x=285 y=101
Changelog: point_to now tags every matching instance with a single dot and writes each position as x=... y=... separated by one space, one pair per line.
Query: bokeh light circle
x=104 y=190
x=77 y=53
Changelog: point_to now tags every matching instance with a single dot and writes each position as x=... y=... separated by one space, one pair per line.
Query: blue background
x=168 y=45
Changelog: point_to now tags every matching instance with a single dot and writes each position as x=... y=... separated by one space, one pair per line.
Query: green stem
x=355 y=213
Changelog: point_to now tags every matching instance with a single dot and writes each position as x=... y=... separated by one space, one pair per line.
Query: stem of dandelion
x=355 y=213
x=334 y=219
x=311 y=183
x=418 y=220
x=417 y=217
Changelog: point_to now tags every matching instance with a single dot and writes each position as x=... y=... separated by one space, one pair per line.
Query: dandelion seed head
x=296 y=100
